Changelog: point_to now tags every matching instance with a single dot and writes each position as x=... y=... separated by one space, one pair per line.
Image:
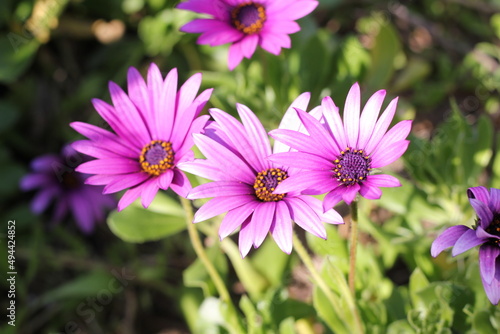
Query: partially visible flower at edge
x=55 y=179
x=486 y=233
x=247 y=24
x=244 y=181
x=153 y=128
x=338 y=157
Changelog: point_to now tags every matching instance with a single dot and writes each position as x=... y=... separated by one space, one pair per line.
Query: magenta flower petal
x=447 y=239
x=332 y=116
x=466 y=241
x=487 y=259
x=494 y=204
x=234 y=218
x=246 y=24
x=246 y=182
x=369 y=117
x=255 y=130
x=351 y=115
x=317 y=130
x=390 y=154
x=219 y=205
x=333 y=197
x=282 y=228
x=383 y=180
x=301 y=160
x=297 y=140
x=305 y=217
x=262 y=218
x=382 y=125
x=370 y=191
x=220 y=188
x=153 y=126
x=314 y=181
x=492 y=290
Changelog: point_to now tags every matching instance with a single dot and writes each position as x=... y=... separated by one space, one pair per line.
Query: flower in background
x=56 y=180
x=153 y=128
x=338 y=157
x=244 y=181
x=247 y=24
x=486 y=233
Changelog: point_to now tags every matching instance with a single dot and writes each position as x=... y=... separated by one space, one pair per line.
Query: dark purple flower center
x=248 y=17
x=156 y=157
x=352 y=166
x=266 y=182
x=71 y=180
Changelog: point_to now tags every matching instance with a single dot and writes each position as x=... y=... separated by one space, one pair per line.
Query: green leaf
x=418 y=281
x=16 y=54
x=386 y=48
x=269 y=250
x=163 y=218
x=482 y=324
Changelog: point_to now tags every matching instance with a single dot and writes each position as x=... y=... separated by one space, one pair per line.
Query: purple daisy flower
x=244 y=181
x=153 y=128
x=247 y=24
x=486 y=233
x=55 y=178
x=338 y=157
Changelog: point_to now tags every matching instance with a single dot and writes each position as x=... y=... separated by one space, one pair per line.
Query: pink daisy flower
x=247 y=24
x=153 y=128
x=338 y=157
x=244 y=181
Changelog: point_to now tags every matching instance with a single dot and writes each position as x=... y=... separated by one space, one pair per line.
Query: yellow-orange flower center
x=266 y=182
x=248 y=17
x=156 y=157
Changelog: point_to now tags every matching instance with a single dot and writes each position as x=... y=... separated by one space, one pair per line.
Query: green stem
x=307 y=261
x=202 y=255
x=353 y=247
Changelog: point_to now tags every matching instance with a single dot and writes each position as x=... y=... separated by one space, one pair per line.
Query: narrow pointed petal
x=316 y=129
x=149 y=189
x=206 y=170
x=467 y=241
x=257 y=133
x=129 y=197
x=350 y=193
x=165 y=115
x=369 y=117
x=447 y=239
x=165 y=179
x=234 y=218
x=220 y=188
x=370 y=191
x=487 y=261
x=109 y=166
x=390 y=154
x=351 y=115
x=382 y=125
x=245 y=239
x=227 y=160
x=333 y=198
x=248 y=45
x=187 y=92
x=219 y=205
x=302 y=160
x=282 y=228
x=138 y=92
x=492 y=290
x=123 y=182
x=305 y=217
x=383 y=180
x=298 y=141
x=237 y=136
x=331 y=114
x=397 y=133
x=235 y=55
x=262 y=219
x=155 y=87
x=330 y=216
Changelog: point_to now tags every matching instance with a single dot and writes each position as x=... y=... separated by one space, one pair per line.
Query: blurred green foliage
x=440 y=57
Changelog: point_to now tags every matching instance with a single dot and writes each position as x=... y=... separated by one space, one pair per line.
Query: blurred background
x=440 y=57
